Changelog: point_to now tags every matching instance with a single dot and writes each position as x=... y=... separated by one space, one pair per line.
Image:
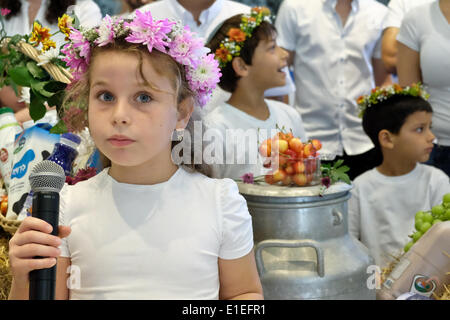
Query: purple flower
x=204 y=78
x=185 y=48
x=147 y=31
x=248 y=178
x=5 y=11
x=326 y=181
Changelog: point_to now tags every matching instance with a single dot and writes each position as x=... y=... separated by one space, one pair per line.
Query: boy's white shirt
x=226 y=117
x=382 y=209
x=157 y=241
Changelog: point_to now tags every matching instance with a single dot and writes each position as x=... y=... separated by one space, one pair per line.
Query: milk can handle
x=289 y=244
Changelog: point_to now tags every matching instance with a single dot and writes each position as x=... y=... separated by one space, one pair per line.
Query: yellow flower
x=48 y=44
x=40 y=35
x=64 y=24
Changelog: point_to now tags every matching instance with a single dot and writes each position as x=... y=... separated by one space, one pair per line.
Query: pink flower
x=248 y=178
x=149 y=32
x=204 y=78
x=186 y=48
x=105 y=32
x=5 y=11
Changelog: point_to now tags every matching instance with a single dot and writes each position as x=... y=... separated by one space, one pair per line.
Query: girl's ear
x=239 y=66
x=185 y=109
x=386 y=139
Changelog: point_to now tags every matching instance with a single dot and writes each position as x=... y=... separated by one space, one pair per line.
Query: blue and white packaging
x=31 y=146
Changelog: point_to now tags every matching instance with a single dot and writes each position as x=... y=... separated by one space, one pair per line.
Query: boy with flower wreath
x=385 y=199
x=250 y=62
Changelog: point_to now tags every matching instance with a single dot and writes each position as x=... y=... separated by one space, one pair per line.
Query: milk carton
x=31 y=146
x=9 y=127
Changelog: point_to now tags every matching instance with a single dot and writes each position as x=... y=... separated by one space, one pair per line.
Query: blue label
x=21 y=167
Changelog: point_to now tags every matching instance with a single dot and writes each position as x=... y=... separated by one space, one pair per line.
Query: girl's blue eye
x=106 y=97
x=420 y=129
x=144 y=98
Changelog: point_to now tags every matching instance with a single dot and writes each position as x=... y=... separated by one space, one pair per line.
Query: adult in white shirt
x=424 y=51
x=397 y=10
x=20 y=21
x=335 y=46
x=204 y=17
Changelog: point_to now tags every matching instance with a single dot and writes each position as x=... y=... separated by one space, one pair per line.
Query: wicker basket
x=9 y=225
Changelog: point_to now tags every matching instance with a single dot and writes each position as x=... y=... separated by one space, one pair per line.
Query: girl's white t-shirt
x=157 y=241
x=382 y=209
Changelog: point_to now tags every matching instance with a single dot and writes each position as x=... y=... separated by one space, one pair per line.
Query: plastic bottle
x=65 y=151
x=9 y=127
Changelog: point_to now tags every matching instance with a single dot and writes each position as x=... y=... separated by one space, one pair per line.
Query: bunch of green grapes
x=425 y=219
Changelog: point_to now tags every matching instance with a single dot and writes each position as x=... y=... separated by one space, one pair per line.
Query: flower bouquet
x=38 y=76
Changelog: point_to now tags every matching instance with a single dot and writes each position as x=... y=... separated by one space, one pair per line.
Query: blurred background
x=113 y=7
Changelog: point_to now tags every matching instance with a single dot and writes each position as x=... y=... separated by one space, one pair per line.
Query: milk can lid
x=264 y=189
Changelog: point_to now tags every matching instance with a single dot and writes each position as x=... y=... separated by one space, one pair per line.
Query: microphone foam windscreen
x=47 y=176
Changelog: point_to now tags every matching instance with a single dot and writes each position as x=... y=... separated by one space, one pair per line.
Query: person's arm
x=61 y=290
x=239 y=279
x=381 y=75
x=389 y=49
x=9 y=99
x=408 y=65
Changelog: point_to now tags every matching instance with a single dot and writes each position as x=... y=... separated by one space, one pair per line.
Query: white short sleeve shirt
x=426 y=30
x=332 y=66
x=159 y=241
x=382 y=209
x=398 y=9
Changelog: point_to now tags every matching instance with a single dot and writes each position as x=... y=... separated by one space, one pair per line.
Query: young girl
x=251 y=62
x=143 y=228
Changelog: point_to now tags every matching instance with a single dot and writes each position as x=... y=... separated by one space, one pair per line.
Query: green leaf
x=343 y=169
x=39 y=87
x=36 y=71
x=59 y=128
x=54 y=86
x=338 y=163
x=15 y=39
x=56 y=100
x=37 y=107
x=21 y=76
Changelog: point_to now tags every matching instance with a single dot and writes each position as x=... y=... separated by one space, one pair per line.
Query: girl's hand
x=32 y=239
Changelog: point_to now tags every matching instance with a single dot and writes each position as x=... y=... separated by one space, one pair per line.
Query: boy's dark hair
x=56 y=8
x=390 y=115
x=265 y=31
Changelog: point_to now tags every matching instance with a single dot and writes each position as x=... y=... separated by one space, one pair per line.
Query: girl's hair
x=265 y=31
x=56 y=8
x=390 y=115
x=78 y=94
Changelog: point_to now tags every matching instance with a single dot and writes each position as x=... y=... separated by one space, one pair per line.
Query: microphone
x=46 y=179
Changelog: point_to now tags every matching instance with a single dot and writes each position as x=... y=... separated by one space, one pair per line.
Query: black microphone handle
x=43 y=281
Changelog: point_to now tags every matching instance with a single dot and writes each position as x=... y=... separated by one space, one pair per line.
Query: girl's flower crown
x=231 y=46
x=167 y=36
x=380 y=94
